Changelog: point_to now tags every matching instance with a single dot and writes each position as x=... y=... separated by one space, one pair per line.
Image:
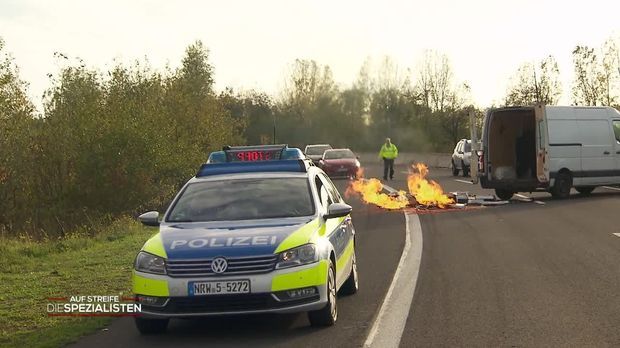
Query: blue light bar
x=255 y=153
x=288 y=165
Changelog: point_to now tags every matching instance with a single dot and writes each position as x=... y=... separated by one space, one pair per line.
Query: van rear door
x=473 y=161
x=542 y=145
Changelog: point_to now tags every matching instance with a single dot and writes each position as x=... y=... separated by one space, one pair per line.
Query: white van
x=552 y=148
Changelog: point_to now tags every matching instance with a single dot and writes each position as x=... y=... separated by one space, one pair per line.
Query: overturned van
x=551 y=148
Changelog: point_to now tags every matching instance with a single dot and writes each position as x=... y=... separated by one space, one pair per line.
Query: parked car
x=340 y=163
x=461 y=157
x=315 y=152
x=552 y=148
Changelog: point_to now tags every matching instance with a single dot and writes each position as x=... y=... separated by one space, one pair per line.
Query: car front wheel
x=455 y=170
x=327 y=315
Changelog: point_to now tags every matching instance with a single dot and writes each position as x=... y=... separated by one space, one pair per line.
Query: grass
x=32 y=271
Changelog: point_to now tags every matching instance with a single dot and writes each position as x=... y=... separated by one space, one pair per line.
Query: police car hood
x=227 y=238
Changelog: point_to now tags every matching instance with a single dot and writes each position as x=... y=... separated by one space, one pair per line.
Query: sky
x=252 y=43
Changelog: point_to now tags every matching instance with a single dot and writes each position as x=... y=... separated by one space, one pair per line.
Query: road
x=525 y=274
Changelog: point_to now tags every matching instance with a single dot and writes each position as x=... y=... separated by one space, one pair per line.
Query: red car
x=340 y=163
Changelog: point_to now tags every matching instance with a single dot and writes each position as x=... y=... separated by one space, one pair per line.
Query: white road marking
x=388 y=327
x=611 y=188
x=616 y=234
x=464 y=181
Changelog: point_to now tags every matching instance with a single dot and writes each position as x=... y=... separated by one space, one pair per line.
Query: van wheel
x=465 y=169
x=562 y=186
x=504 y=195
x=455 y=170
x=351 y=285
x=151 y=326
x=327 y=315
x=585 y=190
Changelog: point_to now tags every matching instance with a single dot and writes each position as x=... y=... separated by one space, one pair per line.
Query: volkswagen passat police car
x=257 y=230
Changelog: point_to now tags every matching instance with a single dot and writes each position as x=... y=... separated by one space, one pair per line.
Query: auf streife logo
x=91 y=306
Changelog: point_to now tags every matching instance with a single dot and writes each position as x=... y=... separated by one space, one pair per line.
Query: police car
x=257 y=230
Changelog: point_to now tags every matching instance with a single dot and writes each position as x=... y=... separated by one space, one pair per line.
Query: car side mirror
x=357 y=157
x=336 y=210
x=150 y=218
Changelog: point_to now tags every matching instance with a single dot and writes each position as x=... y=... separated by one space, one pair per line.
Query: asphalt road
x=380 y=239
x=521 y=275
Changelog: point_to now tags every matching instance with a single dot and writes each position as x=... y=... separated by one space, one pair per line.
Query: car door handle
x=606 y=153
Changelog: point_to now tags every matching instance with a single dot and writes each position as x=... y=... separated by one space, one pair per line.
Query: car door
x=458 y=155
x=342 y=236
x=542 y=145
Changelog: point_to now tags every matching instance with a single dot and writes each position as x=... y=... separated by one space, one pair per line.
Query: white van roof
x=580 y=112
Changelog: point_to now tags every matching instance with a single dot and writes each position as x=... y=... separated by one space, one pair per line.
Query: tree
x=444 y=99
x=597 y=76
x=586 y=89
x=534 y=84
x=435 y=81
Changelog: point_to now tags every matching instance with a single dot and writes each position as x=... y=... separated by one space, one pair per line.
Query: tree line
x=121 y=141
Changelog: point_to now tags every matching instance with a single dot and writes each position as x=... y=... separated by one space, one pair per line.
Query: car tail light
x=480 y=161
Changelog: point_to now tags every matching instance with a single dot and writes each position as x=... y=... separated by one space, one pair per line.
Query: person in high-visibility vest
x=388 y=152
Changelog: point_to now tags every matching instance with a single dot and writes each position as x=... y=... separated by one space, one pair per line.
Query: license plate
x=219 y=287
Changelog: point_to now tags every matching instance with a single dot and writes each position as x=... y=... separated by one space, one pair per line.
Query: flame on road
x=370 y=191
x=426 y=192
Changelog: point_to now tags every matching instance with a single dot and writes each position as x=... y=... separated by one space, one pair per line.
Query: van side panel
x=597 y=162
x=564 y=147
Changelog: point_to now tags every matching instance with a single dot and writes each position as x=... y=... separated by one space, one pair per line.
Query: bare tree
x=307 y=82
x=533 y=84
x=435 y=81
x=596 y=75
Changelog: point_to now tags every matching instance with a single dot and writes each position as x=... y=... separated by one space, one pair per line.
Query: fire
x=371 y=192
x=426 y=192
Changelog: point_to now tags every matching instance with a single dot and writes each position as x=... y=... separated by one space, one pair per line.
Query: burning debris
x=422 y=192
x=371 y=191
x=426 y=192
x=424 y=195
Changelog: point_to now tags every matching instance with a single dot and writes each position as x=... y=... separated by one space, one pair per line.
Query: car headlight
x=150 y=263
x=302 y=255
x=357 y=163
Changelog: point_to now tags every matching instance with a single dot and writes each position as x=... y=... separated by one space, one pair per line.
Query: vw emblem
x=219 y=265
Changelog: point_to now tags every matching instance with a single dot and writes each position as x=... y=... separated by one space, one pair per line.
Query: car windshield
x=467 y=147
x=243 y=199
x=338 y=154
x=317 y=150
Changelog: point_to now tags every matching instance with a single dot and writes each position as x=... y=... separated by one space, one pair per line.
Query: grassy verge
x=30 y=272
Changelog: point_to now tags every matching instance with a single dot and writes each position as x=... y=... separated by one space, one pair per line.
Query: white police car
x=257 y=230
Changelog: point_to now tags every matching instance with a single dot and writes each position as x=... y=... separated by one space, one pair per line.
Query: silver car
x=315 y=152
x=461 y=157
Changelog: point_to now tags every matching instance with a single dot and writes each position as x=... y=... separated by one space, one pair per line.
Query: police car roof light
x=255 y=153
x=289 y=165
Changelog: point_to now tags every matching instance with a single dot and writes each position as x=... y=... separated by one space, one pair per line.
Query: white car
x=461 y=157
